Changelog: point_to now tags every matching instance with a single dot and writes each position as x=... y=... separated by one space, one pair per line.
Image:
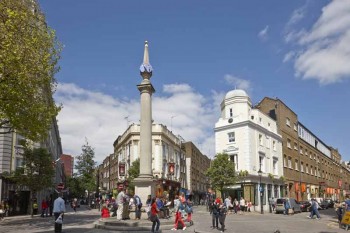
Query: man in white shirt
x=58 y=209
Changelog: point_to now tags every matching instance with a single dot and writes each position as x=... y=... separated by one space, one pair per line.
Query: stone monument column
x=144 y=184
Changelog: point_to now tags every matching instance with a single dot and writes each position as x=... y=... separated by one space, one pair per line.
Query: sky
x=297 y=51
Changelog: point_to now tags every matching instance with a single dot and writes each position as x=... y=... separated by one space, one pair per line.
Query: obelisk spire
x=146 y=68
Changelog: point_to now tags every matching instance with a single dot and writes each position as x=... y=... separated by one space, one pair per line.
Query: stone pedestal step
x=133 y=225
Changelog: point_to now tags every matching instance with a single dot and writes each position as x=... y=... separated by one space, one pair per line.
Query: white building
x=168 y=159
x=251 y=140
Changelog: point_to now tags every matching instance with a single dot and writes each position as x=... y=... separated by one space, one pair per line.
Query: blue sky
x=297 y=51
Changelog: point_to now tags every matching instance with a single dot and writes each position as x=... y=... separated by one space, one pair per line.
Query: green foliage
x=221 y=172
x=37 y=171
x=133 y=172
x=76 y=188
x=85 y=166
x=29 y=52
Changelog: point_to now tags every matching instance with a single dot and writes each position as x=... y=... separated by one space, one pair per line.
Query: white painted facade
x=250 y=138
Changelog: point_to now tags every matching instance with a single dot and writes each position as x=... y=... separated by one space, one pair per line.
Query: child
x=189 y=211
x=105 y=212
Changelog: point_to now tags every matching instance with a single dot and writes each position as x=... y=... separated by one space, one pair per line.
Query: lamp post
x=261 y=191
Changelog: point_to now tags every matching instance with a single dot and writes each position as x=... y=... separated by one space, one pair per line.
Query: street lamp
x=261 y=191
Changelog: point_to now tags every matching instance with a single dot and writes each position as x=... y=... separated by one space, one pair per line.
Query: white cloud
x=324 y=51
x=288 y=56
x=238 y=82
x=101 y=118
x=297 y=16
x=263 y=34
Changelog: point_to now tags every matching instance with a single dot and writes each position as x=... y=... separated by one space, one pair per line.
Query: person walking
x=222 y=216
x=154 y=216
x=44 y=207
x=138 y=206
x=58 y=210
x=214 y=211
x=314 y=209
x=241 y=205
x=74 y=204
x=189 y=211
x=178 y=205
x=120 y=201
x=148 y=206
x=50 y=204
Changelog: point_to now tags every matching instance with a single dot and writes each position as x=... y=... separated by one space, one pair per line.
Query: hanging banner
x=171 y=168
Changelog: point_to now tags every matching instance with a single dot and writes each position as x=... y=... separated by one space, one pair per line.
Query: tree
x=133 y=172
x=221 y=172
x=37 y=170
x=85 y=167
x=29 y=52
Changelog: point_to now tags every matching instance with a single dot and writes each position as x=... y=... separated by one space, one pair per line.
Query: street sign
x=60 y=186
x=261 y=189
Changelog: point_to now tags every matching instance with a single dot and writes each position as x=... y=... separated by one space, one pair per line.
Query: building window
x=234 y=159
x=231 y=113
x=307 y=168
x=311 y=172
x=231 y=137
x=288 y=121
x=19 y=162
x=289 y=162
x=306 y=152
x=275 y=166
x=301 y=150
x=295 y=146
x=274 y=145
x=260 y=140
x=289 y=143
x=302 y=167
x=267 y=142
x=285 y=161
x=295 y=127
x=262 y=163
x=296 y=164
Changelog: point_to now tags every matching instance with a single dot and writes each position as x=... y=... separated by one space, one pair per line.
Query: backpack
x=138 y=201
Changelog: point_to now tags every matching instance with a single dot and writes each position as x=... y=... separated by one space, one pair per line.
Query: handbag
x=153 y=217
x=59 y=220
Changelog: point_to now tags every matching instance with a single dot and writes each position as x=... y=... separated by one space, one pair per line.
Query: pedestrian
x=241 y=205
x=235 y=206
x=214 y=211
x=228 y=204
x=314 y=209
x=120 y=200
x=50 y=203
x=249 y=206
x=35 y=207
x=2 y=210
x=286 y=207
x=178 y=205
x=74 y=204
x=189 y=211
x=148 y=206
x=154 y=216
x=222 y=216
x=44 y=207
x=58 y=210
x=105 y=212
x=138 y=206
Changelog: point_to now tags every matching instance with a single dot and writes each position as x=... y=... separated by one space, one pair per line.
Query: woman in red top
x=44 y=207
x=154 y=215
x=105 y=212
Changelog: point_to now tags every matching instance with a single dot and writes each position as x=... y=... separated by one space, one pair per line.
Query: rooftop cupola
x=146 y=68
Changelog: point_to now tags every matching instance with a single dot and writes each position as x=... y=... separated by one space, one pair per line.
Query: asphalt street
x=83 y=221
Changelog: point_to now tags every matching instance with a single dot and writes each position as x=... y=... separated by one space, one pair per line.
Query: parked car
x=330 y=203
x=305 y=206
x=294 y=204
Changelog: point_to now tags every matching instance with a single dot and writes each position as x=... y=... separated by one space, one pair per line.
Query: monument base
x=145 y=186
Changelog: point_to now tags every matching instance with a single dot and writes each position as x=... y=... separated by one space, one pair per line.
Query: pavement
x=84 y=219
